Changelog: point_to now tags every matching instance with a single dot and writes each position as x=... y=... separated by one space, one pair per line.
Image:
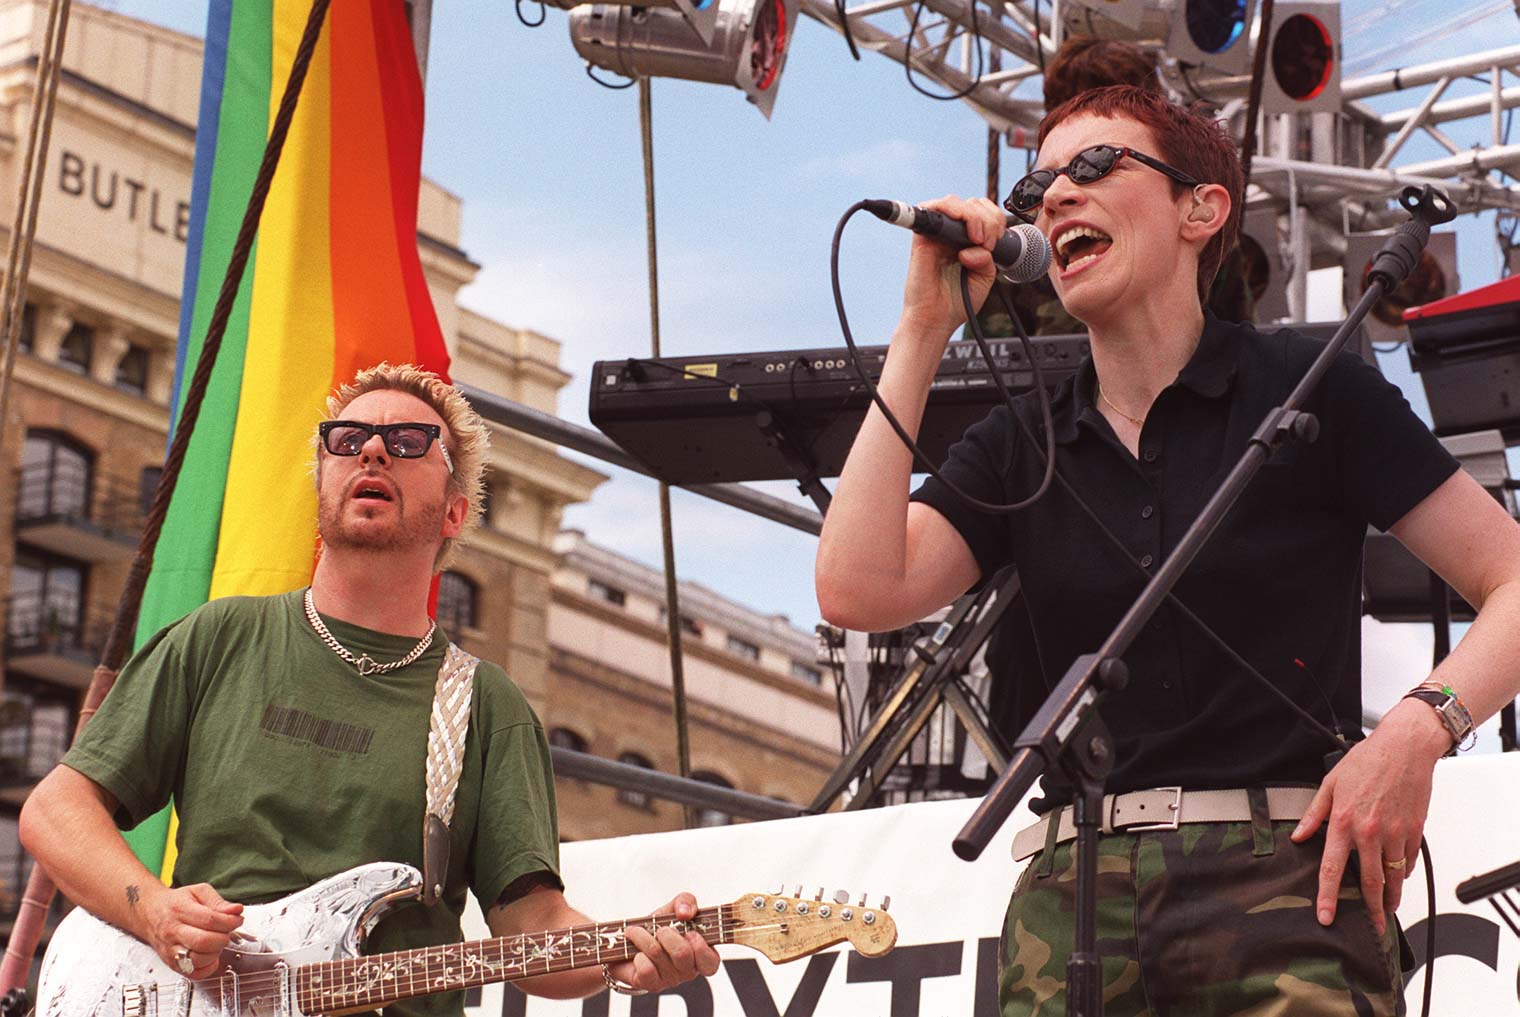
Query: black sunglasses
x=404 y=441
x=1089 y=165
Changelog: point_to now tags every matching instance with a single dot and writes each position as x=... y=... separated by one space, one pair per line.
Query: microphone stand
x=1067 y=732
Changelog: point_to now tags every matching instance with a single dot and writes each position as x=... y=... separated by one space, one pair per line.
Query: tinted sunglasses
x=404 y=441
x=1089 y=165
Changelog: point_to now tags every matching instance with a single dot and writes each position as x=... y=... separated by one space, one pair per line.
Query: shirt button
x=1166 y=684
x=1151 y=455
x=1147 y=512
x=1145 y=561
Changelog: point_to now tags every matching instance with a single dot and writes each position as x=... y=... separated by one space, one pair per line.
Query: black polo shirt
x=1280 y=579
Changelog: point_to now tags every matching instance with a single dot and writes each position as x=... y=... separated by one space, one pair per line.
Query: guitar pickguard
x=93 y=969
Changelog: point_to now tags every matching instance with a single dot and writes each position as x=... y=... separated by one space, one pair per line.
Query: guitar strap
x=445 y=761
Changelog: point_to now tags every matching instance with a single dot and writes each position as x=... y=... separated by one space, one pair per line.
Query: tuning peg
x=841 y=896
x=780 y=890
x=797 y=892
x=886 y=902
x=820 y=894
x=862 y=901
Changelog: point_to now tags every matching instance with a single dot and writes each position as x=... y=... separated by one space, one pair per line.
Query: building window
x=74 y=352
x=28 y=328
x=564 y=738
x=708 y=816
x=132 y=371
x=743 y=648
x=35 y=727
x=458 y=602
x=807 y=673
x=147 y=486
x=602 y=591
x=47 y=603
x=55 y=477
x=689 y=625
x=628 y=796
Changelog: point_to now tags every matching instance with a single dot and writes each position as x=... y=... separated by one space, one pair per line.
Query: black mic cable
x=997 y=379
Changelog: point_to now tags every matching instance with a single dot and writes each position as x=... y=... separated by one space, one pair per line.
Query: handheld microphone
x=1022 y=253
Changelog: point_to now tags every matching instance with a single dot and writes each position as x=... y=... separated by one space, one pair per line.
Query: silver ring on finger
x=182 y=960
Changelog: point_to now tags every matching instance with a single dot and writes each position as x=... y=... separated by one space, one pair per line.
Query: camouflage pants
x=1212 y=920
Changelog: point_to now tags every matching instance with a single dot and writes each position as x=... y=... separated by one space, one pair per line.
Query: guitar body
x=299 y=955
x=93 y=969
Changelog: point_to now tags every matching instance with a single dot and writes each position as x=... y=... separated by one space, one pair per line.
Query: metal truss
x=943 y=48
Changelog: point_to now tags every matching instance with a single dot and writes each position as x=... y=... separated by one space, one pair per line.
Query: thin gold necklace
x=1138 y=422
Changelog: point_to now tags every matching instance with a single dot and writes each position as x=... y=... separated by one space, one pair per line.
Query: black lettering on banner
x=755 y=996
x=986 y=1003
x=697 y=995
x=182 y=221
x=905 y=967
x=1457 y=935
x=71 y=174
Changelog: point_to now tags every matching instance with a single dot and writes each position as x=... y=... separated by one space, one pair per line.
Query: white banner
x=949 y=912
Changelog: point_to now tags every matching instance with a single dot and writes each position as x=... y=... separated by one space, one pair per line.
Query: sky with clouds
x=548 y=164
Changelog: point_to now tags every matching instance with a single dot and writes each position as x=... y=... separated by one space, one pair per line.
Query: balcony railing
x=60 y=509
x=52 y=638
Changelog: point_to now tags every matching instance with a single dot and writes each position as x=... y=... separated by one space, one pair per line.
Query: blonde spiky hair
x=468 y=437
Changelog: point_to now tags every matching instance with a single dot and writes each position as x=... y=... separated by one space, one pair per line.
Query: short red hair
x=1186 y=139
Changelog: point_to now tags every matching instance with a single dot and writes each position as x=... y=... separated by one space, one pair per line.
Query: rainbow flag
x=335 y=284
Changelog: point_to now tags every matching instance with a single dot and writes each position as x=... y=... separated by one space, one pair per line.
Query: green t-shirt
x=287 y=766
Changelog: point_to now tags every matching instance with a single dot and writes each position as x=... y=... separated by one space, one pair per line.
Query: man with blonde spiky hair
x=291 y=730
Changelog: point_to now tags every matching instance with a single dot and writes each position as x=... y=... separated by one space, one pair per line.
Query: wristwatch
x=1459 y=723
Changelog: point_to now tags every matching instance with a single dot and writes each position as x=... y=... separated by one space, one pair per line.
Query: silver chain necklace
x=364 y=662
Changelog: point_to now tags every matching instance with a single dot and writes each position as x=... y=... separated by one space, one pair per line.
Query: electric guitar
x=300 y=955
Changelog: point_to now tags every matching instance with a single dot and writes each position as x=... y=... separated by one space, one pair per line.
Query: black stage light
x=748 y=47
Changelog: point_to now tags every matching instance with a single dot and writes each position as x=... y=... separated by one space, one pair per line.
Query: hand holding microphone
x=1022 y=253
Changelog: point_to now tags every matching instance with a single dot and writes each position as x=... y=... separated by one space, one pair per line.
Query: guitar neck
x=369 y=983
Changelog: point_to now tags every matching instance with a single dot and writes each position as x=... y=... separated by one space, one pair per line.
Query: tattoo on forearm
x=133 y=894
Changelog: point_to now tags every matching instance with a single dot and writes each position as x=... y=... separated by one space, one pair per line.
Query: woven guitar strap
x=445 y=761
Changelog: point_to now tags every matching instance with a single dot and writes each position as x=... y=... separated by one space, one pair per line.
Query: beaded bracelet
x=619 y=987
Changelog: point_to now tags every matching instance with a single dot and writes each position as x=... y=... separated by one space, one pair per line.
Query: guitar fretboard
x=374 y=982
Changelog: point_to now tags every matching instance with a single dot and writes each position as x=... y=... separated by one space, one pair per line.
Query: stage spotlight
x=1304 y=64
x=748 y=47
x=1212 y=33
x=701 y=15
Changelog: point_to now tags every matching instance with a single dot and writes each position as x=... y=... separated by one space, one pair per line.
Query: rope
x=18 y=260
x=39 y=890
x=667 y=535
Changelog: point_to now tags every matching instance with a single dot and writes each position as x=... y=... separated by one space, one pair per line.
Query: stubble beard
x=341 y=526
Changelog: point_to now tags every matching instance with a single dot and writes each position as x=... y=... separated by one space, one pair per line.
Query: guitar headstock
x=787 y=927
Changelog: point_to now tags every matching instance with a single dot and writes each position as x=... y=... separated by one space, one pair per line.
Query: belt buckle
x=1171 y=824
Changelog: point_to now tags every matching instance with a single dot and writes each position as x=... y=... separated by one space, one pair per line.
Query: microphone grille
x=1034 y=259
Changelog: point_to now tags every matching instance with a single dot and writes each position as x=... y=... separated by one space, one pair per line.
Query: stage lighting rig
x=1304 y=64
x=748 y=48
x=700 y=15
x=1212 y=34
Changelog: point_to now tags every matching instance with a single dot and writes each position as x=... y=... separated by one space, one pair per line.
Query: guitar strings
x=269 y=980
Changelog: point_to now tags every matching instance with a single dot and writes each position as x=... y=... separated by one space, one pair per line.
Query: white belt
x=1166 y=808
